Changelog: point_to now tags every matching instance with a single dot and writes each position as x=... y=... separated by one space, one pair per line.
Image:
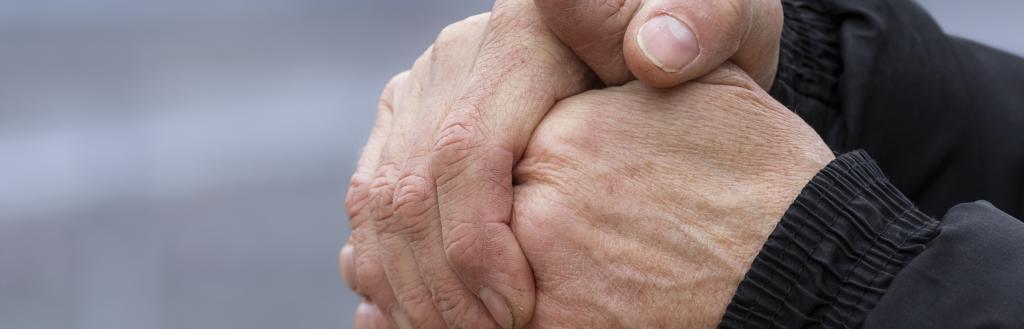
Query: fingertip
x=369 y=316
x=498 y=306
x=511 y=306
x=346 y=260
x=508 y=290
x=488 y=259
x=371 y=281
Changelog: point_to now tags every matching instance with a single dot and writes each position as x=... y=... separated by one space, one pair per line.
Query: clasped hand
x=499 y=188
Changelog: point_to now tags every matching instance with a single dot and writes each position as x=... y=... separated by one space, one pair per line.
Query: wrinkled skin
x=633 y=206
x=643 y=208
x=418 y=254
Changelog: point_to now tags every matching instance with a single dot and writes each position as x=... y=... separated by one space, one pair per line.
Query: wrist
x=834 y=252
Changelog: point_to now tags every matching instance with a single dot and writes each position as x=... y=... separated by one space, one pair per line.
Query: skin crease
x=643 y=208
x=422 y=257
x=631 y=203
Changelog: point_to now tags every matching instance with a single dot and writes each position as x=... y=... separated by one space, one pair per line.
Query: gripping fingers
x=363 y=270
x=427 y=291
x=521 y=70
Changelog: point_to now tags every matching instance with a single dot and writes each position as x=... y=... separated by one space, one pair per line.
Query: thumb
x=667 y=42
x=672 y=41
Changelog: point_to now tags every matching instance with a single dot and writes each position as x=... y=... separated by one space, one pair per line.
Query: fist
x=644 y=208
x=431 y=199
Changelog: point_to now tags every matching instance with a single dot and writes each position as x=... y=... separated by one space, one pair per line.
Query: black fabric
x=944 y=119
x=835 y=253
x=807 y=80
x=970 y=276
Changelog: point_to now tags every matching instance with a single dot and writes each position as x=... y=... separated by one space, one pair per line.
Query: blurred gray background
x=182 y=164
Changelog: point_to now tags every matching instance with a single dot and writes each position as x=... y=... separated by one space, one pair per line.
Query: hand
x=434 y=186
x=667 y=42
x=644 y=208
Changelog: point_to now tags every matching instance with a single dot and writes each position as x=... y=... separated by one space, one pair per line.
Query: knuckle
x=414 y=198
x=417 y=302
x=460 y=32
x=453 y=33
x=414 y=296
x=423 y=64
x=383 y=188
x=370 y=278
x=383 y=184
x=448 y=37
x=459 y=136
x=387 y=95
x=464 y=251
x=453 y=301
x=357 y=198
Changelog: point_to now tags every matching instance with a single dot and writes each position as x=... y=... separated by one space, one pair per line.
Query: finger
x=673 y=41
x=347 y=263
x=521 y=71
x=594 y=29
x=369 y=317
x=667 y=42
x=369 y=278
x=414 y=231
x=412 y=306
x=417 y=216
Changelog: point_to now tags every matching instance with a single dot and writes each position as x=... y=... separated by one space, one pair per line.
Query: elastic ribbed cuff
x=834 y=253
x=810 y=63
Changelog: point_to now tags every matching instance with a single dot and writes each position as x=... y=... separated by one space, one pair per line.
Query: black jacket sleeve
x=853 y=252
x=943 y=118
x=970 y=276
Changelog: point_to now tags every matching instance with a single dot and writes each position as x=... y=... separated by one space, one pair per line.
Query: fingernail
x=668 y=43
x=498 y=308
x=399 y=317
